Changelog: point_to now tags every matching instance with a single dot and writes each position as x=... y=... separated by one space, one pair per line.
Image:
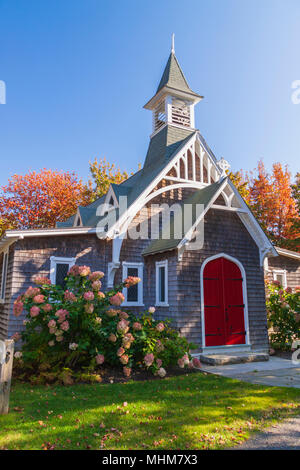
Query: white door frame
x=245 y=300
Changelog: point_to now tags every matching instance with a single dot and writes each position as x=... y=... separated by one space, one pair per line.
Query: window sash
x=162 y=283
x=54 y=261
x=134 y=294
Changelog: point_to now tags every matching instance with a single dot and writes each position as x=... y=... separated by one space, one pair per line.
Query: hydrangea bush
x=283 y=308
x=73 y=332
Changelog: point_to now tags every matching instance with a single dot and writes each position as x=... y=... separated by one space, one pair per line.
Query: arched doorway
x=224 y=302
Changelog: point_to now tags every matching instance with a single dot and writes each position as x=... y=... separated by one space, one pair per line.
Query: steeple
x=173 y=102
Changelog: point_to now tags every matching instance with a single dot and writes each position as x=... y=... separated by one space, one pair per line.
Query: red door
x=223 y=303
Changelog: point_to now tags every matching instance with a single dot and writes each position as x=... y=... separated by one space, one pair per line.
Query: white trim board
x=140 y=267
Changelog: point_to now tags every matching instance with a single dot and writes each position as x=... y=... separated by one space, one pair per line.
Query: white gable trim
x=77 y=218
x=287 y=253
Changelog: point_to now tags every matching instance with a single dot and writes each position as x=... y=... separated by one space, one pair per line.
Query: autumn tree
x=39 y=199
x=272 y=202
x=103 y=174
x=241 y=183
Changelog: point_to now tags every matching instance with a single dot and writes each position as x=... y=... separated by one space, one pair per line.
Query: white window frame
x=281 y=272
x=54 y=261
x=160 y=264
x=140 y=268
x=4 y=275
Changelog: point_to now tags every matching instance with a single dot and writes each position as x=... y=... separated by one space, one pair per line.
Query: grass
x=194 y=411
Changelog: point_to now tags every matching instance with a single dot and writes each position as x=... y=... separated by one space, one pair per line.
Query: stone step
x=224 y=359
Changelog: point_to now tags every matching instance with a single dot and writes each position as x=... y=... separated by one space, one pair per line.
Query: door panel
x=213 y=304
x=223 y=303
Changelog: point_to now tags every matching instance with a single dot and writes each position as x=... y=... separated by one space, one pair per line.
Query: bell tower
x=174 y=101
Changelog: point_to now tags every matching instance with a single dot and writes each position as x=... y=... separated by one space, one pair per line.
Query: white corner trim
x=245 y=297
x=140 y=267
x=4 y=274
x=54 y=260
x=159 y=264
x=77 y=218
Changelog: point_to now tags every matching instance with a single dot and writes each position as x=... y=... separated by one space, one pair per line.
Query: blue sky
x=78 y=73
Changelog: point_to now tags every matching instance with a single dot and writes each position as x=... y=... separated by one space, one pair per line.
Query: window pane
x=132 y=292
x=162 y=284
x=61 y=272
x=4 y=273
x=280 y=278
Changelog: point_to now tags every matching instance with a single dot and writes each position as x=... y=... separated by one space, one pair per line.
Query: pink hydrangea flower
x=59 y=338
x=89 y=308
x=111 y=312
x=123 y=315
x=161 y=372
x=196 y=363
x=32 y=291
x=127 y=371
x=122 y=326
x=101 y=295
x=96 y=285
x=120 y=351
x=151 y=309
x=16 y=337
x=39 y=299
x=65 y=326
x=69 y=296
x=62 y=315
x=98 y=320
x=131 y=281
x=51 y=343
x=88 y=295
x=84 y=271
x=52 y=331
x=52 y=324
x=117 y=299
x=34 y=311
x=180 y=362
x=112 y=338
x=73 y=346
x=18 y=308
x=124 y=359
x=186 y=359
x=158 y=363
x=160 y=327
x=96 y=275
x=137 y=326
x=46 y=308
x=42 y=280
x=99 y=359
x=148 y=359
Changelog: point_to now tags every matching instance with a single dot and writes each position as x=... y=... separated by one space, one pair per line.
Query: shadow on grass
x=192 y=411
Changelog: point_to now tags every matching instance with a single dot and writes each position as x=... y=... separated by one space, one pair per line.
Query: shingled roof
x=173 y=77
x=202 y=196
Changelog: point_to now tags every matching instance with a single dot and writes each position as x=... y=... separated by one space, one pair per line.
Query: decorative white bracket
x=112 y=268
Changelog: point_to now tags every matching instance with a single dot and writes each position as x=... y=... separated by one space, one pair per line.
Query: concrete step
x=224 y=359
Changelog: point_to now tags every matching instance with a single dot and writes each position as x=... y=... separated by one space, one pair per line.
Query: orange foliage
x=39 y=199
x=272 y=203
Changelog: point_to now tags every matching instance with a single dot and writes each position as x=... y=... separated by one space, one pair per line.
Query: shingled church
x=214 y=291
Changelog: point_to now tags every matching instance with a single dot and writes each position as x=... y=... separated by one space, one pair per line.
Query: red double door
x=223 y=303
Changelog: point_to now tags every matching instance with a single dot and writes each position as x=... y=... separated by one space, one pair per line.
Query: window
x=4 y=275
x=280 y=276
x=134 y=294
x=162 y=283
x=59 y=268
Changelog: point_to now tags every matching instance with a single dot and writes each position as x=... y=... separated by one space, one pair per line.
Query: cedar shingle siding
x=292 y=267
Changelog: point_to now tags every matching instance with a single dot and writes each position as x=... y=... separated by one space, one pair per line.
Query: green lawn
x=194 y=411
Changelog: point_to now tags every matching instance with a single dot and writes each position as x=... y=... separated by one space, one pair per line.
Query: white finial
x=173 y=44
x=224 y=166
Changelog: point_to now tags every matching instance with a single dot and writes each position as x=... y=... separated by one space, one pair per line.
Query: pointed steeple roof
x=173 y=76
